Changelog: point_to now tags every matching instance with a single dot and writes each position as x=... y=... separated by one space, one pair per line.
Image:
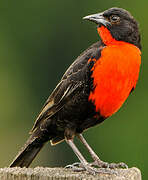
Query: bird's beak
x=98 y=19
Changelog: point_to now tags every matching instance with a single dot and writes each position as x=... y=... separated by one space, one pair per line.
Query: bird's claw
x=91 y=170
x=102 y=164
x=79 y=167
x=76 y=167
x=76 y=164
x=118 y=165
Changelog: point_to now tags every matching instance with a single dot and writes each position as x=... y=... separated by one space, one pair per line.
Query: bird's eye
x=114 y=18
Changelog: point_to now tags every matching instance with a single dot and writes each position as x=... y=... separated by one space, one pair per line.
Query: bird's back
x=69 y=104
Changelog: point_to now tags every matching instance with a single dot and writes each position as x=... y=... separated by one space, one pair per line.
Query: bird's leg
x=84 y=165
x=97 y=160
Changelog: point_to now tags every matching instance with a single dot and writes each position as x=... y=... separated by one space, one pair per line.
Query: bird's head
x=116 y=24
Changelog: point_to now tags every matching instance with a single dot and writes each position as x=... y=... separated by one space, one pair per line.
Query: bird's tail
x=29 y=151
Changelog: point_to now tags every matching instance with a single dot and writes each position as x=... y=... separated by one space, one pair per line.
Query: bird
x=93 y=88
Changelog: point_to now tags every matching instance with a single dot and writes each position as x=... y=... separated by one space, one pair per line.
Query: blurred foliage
x=38 y=41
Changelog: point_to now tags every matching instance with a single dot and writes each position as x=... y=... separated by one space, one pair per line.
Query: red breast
x=115 y=73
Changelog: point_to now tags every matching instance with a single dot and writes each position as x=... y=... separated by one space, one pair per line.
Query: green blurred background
x=39 y=39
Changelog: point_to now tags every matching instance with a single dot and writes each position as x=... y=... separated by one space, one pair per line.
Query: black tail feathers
x=29 y=151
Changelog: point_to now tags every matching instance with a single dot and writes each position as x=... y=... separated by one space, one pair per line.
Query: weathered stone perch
x=40 y=173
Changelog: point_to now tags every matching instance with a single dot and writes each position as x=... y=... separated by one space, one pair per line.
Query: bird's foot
x=79 y=167
x=76 y=164
x=102 y=164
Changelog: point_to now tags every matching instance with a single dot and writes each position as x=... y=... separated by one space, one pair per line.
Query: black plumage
x=67 y=111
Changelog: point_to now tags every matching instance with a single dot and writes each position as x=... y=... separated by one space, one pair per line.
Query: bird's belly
x=114 y=74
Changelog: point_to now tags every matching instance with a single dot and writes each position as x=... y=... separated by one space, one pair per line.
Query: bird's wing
x=72 y=80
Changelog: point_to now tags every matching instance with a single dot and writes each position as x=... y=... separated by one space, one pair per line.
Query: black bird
x=92 y=89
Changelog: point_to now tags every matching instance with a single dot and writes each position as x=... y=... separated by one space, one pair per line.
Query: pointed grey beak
x=98 y=19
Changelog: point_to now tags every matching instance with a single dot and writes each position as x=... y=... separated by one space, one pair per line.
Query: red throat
x=106 y=35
